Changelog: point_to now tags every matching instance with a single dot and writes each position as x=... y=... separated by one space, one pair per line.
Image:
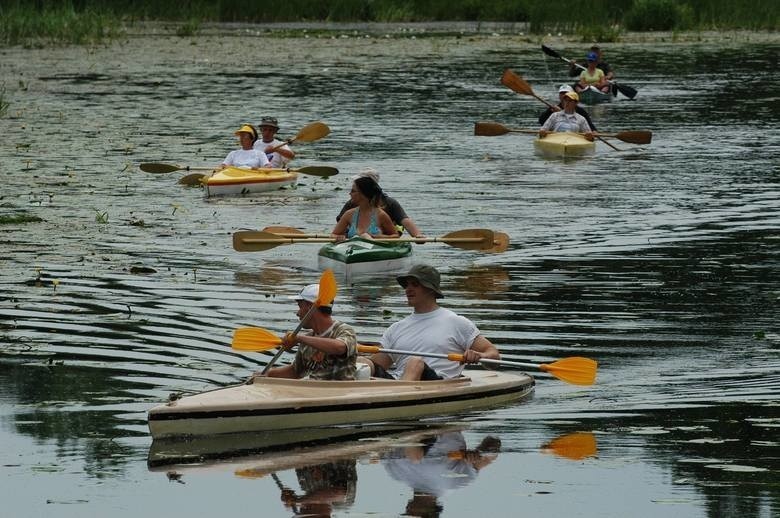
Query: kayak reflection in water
x=440 y=464
x=326 y=487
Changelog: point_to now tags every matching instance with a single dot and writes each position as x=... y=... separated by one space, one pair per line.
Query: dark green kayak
x=594 y=96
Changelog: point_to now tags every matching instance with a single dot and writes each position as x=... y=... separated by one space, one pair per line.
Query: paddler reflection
x=436 y=465
x=325 y=488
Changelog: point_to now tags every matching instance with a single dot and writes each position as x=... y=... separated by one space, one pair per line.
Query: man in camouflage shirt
x=327 y=352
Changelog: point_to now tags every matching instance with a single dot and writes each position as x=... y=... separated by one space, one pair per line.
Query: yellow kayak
x=564 y=145
x=234 y=180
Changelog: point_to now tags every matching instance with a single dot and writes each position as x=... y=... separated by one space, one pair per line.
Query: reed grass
x=25 y=25
x=4 y=104
x=89 y=21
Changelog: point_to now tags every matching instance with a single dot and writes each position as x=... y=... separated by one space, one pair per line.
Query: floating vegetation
x=16 y=219
x=139 y=270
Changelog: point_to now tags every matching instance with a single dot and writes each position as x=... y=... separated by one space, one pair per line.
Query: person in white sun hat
x=327 y=351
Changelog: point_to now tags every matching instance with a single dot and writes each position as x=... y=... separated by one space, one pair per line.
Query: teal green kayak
x=359 y=255
x=594 y=96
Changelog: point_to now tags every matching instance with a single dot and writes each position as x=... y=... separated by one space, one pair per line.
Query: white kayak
x=278 y=404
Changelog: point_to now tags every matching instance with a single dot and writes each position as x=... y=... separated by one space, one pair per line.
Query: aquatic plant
x=101 y=217
x=3 y=103
x=189 y=28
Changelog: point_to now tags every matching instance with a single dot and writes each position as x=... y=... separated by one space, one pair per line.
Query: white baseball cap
x=565 y=88
x=309 y=294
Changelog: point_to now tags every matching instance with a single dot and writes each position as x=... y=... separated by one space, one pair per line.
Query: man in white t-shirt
x=278 y=153
x=429 y=329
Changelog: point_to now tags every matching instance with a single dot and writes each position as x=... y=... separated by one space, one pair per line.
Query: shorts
x=428 y=374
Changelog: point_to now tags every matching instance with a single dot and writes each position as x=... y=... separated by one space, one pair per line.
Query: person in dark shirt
x=390 y=206
x=562 y=91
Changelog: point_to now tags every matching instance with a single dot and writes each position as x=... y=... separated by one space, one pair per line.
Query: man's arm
x=481 y=348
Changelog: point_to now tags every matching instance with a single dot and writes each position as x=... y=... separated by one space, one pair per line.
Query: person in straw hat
x=562 y=91
x=568 y=119
x=246 y=157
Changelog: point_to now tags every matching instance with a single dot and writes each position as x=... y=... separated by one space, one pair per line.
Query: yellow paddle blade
x=500 y=243
x=575 y=369
x=516 y=83
x=284 y=231
x=254 y=339
x=470 y=239
x=328 y=288
x=574 y=446
x=635 y=137
x=193 y=180
x=317 y=170
x=253 y=241
x=311 y=132
x=490 y=129
x=159 y=168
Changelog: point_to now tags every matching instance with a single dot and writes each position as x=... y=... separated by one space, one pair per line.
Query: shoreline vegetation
x=41 y=23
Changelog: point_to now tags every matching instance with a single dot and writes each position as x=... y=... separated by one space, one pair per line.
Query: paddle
x=313 y=170
x=624 y=89
x=521 y=86
x=194 y=179
x=493 y=129
x=309 y=133
x=469 y=239
x=254 y=339
x=575 y=369
x=326 y=294
x=292 y=232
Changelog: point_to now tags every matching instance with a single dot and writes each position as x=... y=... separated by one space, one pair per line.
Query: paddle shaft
x=282 y=240
x=452 y=356
x=494 y=129
x=327 y=289
x=294 y=333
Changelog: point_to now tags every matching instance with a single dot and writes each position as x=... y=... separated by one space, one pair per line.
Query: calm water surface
x=659 y=261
